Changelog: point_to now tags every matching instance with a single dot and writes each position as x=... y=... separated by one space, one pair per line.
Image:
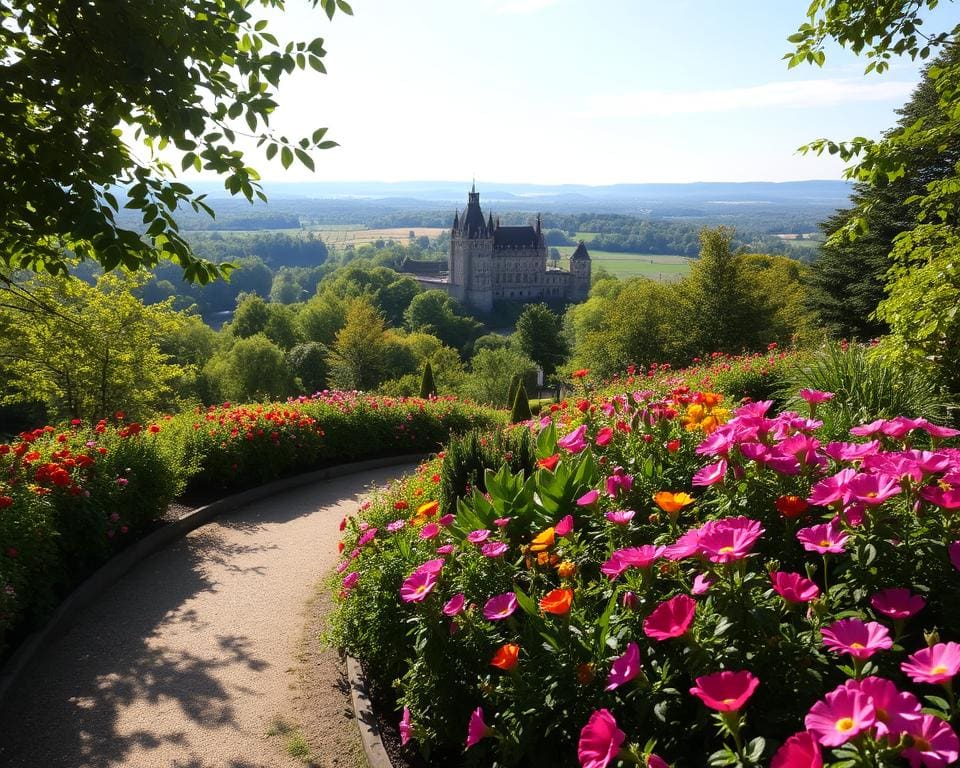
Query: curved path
x=191 y=658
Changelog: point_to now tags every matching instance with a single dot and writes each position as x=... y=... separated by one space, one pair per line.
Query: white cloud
x=799 y=94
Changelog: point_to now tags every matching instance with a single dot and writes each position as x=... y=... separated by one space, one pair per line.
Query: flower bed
x=675 y=583
x=71 y=496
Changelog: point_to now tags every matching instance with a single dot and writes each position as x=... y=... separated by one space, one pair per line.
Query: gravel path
x=199 y=658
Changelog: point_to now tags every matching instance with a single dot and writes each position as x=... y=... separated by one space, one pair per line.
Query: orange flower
x=547 y=558
x=791 y=506
x=566 y=569
x=671 y=503
x=543 y=540
x=506 y=657
x=711 y=399
x=557 y=602
x=429 y=509
x=585 y=674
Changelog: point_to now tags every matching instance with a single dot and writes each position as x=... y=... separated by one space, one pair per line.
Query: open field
x=659 y=267
x=341 y=236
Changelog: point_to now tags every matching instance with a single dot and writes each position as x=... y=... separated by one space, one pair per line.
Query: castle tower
x=471 y=255
x=580 y=269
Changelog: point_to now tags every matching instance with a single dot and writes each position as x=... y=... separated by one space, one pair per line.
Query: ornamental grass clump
x=716 y=585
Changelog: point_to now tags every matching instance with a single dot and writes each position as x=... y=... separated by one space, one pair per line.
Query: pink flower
x=851 y=451
x=954 y=551
x=701 y=583
x=815 y=395
x=350 y=580
x=620 y=516
x=655 y=761
x=729 y=539
x=832 y=489
x=624 y=668
x=799 y=751
x=866 y=430
x=711 y=474
x=619 y=481
x=502 y=522
x=894 y=709
x=793 y=587
x=873 y=489
x=396 y=525
x=494 y=549
x=840 y=716
x=431 y=566
x=725 y=691
x=938 y=664
x=600 y=740
x=405 y=727
x=574 y=441
x=897 y=603
x=446 y=520
x=590 y=497
x=671 y=618
x=565 y=525
x=946 y=498
x=686 y=545
x=454 y=605
x=500 y=606
x=940 y=433
x=429 y=531
x=935 y=745
x=478 y=537
x=631 y=557
x=823 y=538
x=860 y=639
x=477 y=729
x=417 y=586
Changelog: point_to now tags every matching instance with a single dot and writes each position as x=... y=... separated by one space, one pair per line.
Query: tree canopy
x=91 y=94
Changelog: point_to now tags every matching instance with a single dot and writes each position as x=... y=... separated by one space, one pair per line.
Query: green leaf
x=286 y=157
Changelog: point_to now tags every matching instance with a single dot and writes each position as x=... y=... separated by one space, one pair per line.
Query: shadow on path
x=159 y=636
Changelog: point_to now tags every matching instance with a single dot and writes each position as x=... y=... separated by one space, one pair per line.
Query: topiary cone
x=427 y=386
x=521 y=406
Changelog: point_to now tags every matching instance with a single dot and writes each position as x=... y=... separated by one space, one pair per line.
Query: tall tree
x=540 y=335
x=847 y=280
x=86 y=350
x=923 y=284
x=90 y=93
x=357 y=357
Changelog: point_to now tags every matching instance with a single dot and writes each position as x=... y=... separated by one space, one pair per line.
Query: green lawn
x=659 y=267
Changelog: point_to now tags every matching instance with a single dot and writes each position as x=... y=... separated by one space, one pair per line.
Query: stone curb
x=117 y=566
x=366 y=720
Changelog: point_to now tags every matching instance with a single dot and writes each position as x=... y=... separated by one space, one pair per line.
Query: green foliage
x=865 y=388
x=466 y=459
x=427 y=387
x=308 y=362
x=491 y=372
x=539 y=335
x=253 y=368
x=358 y=354
x=86 y=351
x=520 y=410
x=436 y=313
x=923 y=146
x=75 y=139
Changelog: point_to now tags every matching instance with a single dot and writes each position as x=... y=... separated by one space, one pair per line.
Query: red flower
x=5 y=501
x=581 y=373
x=401 y=505
x=550 y=462
x=791 y=506
x=725 y=691
x=673 y=446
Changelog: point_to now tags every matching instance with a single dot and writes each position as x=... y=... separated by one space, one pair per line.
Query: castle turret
x=580 y=271
x=471 y=255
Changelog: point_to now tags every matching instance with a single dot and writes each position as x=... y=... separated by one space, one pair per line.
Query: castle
x=489 y=262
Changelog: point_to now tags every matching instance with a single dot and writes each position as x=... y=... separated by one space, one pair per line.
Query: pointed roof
x=473 y=223
x=456 y=220
x=581 y=253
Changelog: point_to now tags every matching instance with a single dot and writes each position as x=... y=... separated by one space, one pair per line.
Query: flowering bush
x=233 y=446
x=675 y=583
x=71 y=496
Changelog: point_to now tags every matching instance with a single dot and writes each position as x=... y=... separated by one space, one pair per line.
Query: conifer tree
x=521 y=406
x=427 y=386
x=515 y=381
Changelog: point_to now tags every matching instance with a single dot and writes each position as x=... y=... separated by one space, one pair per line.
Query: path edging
x=373 y=748
x=117 y=566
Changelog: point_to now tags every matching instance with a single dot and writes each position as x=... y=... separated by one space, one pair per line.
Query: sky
x=574 y=92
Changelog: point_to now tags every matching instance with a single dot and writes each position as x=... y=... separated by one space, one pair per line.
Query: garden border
x=373 y=748
x=111 y=571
